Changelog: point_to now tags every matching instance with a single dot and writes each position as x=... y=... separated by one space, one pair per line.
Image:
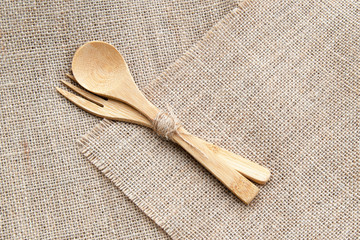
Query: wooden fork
x=116 y=110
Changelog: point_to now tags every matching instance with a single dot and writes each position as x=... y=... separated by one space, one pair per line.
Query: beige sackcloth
x=274 y=81
x=48 y=189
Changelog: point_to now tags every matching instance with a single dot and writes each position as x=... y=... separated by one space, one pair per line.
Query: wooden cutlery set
x=112 y=93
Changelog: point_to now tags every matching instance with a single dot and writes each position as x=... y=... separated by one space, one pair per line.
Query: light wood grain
x=233 y=180
x=101 y=69
x=116 y=110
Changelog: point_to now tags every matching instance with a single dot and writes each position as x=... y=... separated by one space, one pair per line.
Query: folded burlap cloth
x=276 y=82
x=48 y=189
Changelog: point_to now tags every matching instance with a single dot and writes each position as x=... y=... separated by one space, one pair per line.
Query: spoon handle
x=249 y=169
x=208 y=156
x=139 y=102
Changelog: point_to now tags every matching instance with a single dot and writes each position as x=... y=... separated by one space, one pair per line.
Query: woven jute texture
x=48 y=189
x=276 y=82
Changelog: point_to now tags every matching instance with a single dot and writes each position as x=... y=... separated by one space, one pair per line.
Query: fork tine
x=85 y=94
x=83 y=103
x=70 y=76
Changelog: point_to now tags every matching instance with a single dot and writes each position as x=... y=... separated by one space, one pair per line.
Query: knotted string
x=166 y=124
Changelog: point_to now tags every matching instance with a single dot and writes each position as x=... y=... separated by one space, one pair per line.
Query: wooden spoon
x=101 y=69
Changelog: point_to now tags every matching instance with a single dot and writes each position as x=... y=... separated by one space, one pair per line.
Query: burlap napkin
x=276 y=82
x=48 y=189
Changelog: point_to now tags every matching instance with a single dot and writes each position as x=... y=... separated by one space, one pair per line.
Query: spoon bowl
x=97 y=65
x=101 y=69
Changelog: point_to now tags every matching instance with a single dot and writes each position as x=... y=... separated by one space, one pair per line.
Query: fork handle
x=250 y=169
x=211 y=157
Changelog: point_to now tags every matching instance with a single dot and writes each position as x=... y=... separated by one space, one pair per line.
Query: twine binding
x=166 y=124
